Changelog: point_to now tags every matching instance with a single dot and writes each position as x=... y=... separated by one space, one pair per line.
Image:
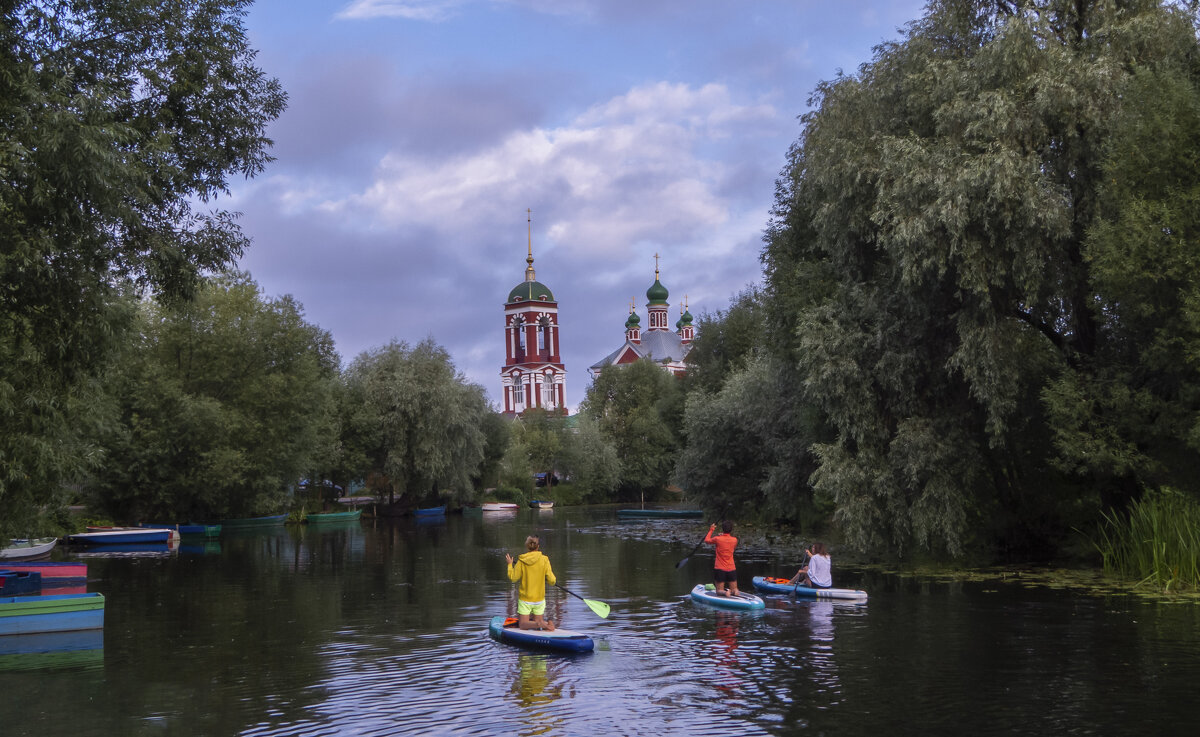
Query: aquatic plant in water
x=1157 y=543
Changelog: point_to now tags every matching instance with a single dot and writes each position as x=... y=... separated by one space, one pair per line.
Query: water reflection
x=382 y=630
x=52 y=650
x=728 y=670
x=535 y=689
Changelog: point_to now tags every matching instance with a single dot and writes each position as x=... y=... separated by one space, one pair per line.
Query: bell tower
x=533 y=374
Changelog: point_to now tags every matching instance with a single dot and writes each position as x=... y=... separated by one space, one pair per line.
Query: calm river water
x=380 y=628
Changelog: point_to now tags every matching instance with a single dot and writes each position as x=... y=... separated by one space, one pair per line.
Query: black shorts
x=720 y=576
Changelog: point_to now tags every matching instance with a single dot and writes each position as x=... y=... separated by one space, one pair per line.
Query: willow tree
x=638 y=408
x=416 y=421
x=931 y=264
x=120 y=121
x=225 y=402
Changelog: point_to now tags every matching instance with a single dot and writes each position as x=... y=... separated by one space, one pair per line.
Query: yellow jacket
x=532 y=569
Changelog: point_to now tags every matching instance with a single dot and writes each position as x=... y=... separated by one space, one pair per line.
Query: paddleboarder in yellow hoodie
x=532 y=569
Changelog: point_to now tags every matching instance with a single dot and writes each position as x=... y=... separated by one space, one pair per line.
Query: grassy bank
x=1157 y=544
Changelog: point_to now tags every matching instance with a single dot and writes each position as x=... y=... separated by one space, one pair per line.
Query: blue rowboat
x=769 y=585
x=190 y=530
x=19 y=582
x=504 y=629
x=742 y=601
x=430 y=511
x=122 y=536
x=23 y=615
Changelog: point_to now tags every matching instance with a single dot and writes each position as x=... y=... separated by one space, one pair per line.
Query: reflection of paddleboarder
x=728 y=673
x=533 y=681
x=532 y=572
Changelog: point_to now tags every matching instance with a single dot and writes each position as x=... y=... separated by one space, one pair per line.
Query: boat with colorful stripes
x=23 y=615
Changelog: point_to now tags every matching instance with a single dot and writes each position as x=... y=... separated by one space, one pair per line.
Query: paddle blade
x=600 y=608
x=682 y=562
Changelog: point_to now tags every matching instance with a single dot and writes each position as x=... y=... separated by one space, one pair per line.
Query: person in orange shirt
x=724 y=570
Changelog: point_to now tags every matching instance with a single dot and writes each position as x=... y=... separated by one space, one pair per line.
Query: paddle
x=807 y=558
x=689 y=555
x=600 y=608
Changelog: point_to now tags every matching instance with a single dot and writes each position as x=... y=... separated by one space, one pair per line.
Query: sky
x=419 y=133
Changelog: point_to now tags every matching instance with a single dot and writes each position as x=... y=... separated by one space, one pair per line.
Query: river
x=380 y=628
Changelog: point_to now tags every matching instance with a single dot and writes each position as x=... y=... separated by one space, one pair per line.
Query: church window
x=518 y=393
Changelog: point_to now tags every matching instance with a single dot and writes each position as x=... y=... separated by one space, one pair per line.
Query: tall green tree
x=589 y=460
x=541 y=434
x=929 y=264
x=725 y=341
x=747 y=446
x=120 y=121
x=639 y=408
x=226 y=402
x=420 y=422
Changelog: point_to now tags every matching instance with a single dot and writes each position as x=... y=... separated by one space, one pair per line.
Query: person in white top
x=818 y=572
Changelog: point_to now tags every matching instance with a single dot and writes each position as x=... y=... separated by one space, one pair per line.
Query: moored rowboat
x=21 y=615
x=703 y=594
x=190 y=530
x=123 y=536
x=769 y=585
x=500 y=507
x=505 y=629
x=19 y=582
x=659 y=513
x=52 y=573
x=333 y=517
x=25 y=549
x=252 y=522
x=430 y=511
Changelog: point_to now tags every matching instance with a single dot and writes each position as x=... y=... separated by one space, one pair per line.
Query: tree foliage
x=225 y=402
x=747 y=446
x=639 y=409
x=724 y=341
x=934 y=264
x=416 y=421
x=589 y=460
x=118 y=119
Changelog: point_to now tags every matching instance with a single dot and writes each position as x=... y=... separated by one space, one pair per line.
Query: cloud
x=633 y=168
x=429 y=243
x=423 y=10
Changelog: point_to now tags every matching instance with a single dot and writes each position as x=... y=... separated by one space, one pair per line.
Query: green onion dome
x=687 y=318
x=633 y=321
x=657 y=293
x=531 y=290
